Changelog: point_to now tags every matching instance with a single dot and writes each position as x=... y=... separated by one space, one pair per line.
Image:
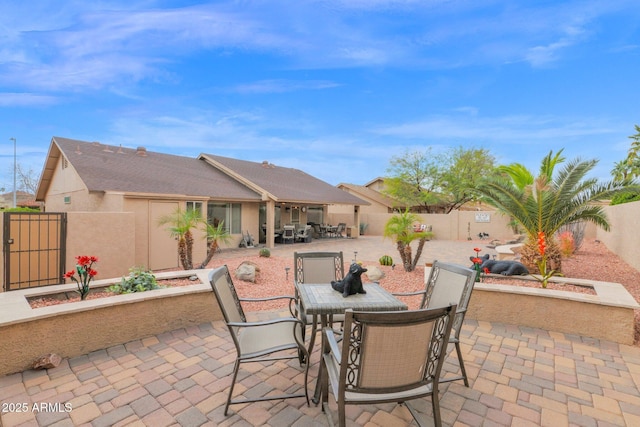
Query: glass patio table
x=322 y=300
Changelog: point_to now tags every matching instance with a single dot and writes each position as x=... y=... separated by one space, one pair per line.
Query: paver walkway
x=518 y=377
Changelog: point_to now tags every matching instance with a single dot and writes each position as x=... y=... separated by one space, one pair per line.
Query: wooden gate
x=34 y=249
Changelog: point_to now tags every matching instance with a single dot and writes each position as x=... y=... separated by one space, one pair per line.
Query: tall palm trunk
x=213 y=248
x=407 y=258
x=188 y=237
x=182 y=252
x=421 y=243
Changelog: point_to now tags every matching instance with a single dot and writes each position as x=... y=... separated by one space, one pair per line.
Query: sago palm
x=547 y=202
x=400 y=228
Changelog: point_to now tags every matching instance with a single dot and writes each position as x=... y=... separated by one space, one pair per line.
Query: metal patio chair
x=317 y=268
x=257 y=341
x=386 y=357
x=449 y=283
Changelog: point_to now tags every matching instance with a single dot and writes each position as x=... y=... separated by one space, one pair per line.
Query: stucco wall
x=516 y=307
x=77 y=332
x=624 y=235
x=105 y=235
x=457 y=225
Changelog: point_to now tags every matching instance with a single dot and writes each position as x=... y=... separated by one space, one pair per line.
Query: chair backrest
x=288 y=231
x=225 y=292
x=449 y=283
x=394 y=351
x=318 y=267
x=304 y=232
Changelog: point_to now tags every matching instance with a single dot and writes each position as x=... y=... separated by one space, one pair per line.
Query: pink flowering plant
x=84 y=268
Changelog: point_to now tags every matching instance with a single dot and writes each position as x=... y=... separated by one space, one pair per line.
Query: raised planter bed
x=608 y=315
x=81 y=327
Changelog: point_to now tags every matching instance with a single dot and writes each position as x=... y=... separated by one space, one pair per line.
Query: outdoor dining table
x=322 y=300
x=326 y=230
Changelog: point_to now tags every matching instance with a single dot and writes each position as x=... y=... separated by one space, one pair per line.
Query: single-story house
x=250 y=197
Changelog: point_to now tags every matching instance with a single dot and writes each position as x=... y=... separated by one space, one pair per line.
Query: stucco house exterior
x=253 y=197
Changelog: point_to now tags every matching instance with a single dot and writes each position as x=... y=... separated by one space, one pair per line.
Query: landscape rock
x=47 y=361
x=246 y=272
x=374 y=273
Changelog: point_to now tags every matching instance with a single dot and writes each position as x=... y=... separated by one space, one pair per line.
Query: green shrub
x=139 y=280
x=619 y=199
x=264 y=252
x=386 y=260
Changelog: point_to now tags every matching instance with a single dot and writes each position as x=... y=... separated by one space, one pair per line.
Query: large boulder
x=247 y=272
x=374 y=273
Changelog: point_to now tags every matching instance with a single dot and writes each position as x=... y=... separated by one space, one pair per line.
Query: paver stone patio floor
x=518 y=377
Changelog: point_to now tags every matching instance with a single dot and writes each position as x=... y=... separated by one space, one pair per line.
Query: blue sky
x=334 y=87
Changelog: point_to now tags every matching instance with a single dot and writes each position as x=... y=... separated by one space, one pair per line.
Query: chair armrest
x=334 y=348
x=407 y=294
x=265 y=322
x=289 y=297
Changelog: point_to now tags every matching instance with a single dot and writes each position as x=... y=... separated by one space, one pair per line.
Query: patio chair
x=257 y=341
x=288 y=233
x=304 y=234
x=386 y=357
x=342 y=226
x=318 y=268
x=449 y=283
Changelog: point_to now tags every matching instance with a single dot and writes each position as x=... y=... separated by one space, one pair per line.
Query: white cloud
x=8 y=99
x=281 y=86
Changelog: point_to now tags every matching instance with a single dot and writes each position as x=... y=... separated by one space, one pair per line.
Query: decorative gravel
x=593 y=261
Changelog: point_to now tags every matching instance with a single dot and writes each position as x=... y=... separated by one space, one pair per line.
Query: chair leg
x=435 y=403
x=314 y=330
x=342 y=417
x=461 y=361
x=236 y=368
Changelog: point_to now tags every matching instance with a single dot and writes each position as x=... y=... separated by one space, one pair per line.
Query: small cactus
x=264 y=252
x=386 y=260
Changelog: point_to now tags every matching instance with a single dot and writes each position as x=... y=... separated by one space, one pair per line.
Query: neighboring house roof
x=373 y=195
x=374 y=181
x=23 y=199
x=105 y=168
x=283 y=184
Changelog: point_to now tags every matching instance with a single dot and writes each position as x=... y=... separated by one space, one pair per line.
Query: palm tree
x=215 y=235
x=550 y=200
x=180 y=225
x=400 y=228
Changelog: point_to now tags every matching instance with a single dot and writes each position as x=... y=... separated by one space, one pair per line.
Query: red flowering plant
x=477 y=262
x=84 y=268
x=542 y=264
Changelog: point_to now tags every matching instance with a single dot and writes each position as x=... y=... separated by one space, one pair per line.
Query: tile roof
x=109 y=168
x=285 y=184
x=105 y=168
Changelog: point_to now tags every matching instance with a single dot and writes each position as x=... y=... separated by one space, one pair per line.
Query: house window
x=230 y=213
x=315 y=215
x=295 y=215
x=196 y=206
